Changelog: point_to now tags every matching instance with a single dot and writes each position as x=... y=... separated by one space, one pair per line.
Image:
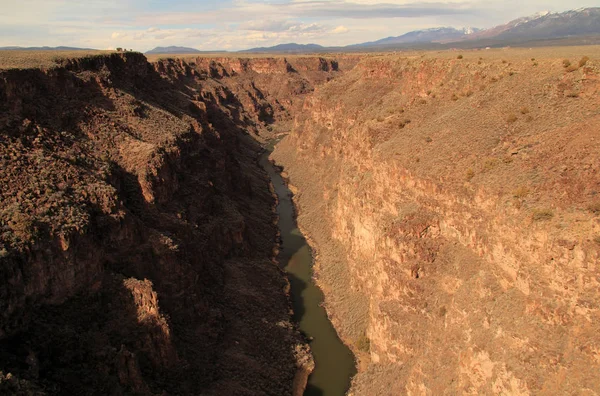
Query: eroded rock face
x=137 y=234
x=454 y=208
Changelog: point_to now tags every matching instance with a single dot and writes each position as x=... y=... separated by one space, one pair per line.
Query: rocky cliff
x=137 y=232
x=454 y=205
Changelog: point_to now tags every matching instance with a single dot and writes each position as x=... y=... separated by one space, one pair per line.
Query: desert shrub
x=428 y=139
x=535 y=63
x=532 y=59
x=479 y=62
x=454 y=97
x=583 y=61
x=597 y=239
x=494 y=79
x=511 y=118
x=566 y=63
x=380 y=119
x=594 y=207
x=422 y=101
x=521 y=192
x=468 y=92
x=504 y=61
x=542 y=214
x=524 y=110
x=459 y=57
x=572 y=94
x=490 y=164
x=363 y=343
x=571 y=68
x=470 y=174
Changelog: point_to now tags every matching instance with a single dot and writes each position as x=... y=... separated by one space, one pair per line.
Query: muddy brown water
x=334 y=362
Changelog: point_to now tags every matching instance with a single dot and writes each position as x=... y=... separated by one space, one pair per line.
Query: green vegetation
x=363 y=343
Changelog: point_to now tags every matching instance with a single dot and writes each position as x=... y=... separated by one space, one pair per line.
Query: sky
x=241 y=24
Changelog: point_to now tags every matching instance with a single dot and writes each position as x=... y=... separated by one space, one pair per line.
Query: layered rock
x=454 y=208
x=137 y=236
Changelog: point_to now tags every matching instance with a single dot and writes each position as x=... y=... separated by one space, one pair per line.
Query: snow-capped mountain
x=547 y=25
x=433 y=35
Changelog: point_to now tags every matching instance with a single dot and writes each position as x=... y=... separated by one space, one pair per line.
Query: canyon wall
x=137 y=229
x=454 y=206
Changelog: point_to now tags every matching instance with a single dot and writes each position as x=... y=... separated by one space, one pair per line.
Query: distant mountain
x=546 y=25
x=46 y=48
x=288 y=48
x=434 y=35
x=174 y=50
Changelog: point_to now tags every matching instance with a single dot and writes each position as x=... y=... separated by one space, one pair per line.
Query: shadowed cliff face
x=454 y=208
x=137 y=232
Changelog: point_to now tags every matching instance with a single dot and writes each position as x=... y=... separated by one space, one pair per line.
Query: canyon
x=451 y=202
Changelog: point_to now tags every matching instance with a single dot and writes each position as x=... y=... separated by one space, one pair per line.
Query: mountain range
x=576 y=25
x=581 y=26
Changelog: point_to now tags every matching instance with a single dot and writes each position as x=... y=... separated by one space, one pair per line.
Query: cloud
x=266 y=25
x=239 y=24
x=340 y=30
x=370 y=10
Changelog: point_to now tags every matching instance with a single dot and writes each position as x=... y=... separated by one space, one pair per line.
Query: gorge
x=451 y=203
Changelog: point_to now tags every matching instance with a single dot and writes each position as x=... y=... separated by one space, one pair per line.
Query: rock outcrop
x=137 y=233
x=454 y=205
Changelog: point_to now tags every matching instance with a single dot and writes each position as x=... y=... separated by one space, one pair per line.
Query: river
x=334 y=362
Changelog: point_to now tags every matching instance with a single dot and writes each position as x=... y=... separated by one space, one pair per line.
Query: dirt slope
x=454 y=202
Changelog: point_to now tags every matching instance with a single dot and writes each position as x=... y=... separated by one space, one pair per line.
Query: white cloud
x=244 y=23
x=340 y=30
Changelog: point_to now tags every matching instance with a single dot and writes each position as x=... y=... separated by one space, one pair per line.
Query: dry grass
x=470 y=174
x=521 y=192
x=22 y=59
x=594 y=207
x=542 y=214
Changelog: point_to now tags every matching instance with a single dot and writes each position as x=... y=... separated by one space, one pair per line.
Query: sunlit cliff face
x=452 y=203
